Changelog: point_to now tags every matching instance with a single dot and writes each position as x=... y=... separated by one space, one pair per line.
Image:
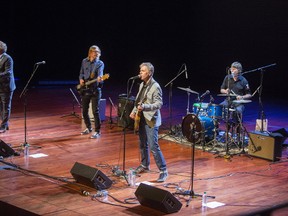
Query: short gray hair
x=3 y=47
x=149 y=66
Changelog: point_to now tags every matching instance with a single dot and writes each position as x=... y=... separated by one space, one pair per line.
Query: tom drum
x=214 y=111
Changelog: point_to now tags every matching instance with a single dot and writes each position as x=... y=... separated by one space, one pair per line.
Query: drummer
x=237 y=87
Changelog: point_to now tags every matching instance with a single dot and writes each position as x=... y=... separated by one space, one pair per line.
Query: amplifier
x=265 y=146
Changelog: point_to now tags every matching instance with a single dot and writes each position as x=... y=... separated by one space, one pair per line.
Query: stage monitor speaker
x=125 y=120
x=265 y=146
x=90 y=176
x=5 y=150
x=157 y=198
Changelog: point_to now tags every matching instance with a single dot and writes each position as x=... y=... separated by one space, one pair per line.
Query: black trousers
x=95 y=100
x=5 y=108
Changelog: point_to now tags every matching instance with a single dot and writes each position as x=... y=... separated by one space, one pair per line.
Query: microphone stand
x=261 y=114
x=24 y=94
x=123 y=172
x=192 y=135
x=170 y=83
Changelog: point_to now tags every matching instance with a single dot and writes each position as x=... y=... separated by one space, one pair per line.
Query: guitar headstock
x=105 y=76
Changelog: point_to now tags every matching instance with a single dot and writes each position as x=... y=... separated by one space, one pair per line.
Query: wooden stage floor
x=41 y=183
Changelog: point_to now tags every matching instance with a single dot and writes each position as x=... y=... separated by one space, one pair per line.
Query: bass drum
x=203 y=127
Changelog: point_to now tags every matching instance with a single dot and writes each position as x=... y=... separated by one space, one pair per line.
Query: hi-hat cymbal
x=226 y=95
x=242 y=101
x=188 y=90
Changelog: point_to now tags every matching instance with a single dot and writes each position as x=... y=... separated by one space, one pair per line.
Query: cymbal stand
x=188 y=102
x=227 y=154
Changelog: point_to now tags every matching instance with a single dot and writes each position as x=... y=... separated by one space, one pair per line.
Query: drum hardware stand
x=214 y=141
x=242 y=132
x=227 y=154
x=73 y=113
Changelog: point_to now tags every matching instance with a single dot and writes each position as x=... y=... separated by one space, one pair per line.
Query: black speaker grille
x=90 y=177
x=157 y=198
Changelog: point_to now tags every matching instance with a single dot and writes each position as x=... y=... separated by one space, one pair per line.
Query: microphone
x=134 y=77
x=39 y=63
x=186 y=73
x=204 y=94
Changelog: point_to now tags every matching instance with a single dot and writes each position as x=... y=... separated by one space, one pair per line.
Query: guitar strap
x=144 y=91
x=93 y=75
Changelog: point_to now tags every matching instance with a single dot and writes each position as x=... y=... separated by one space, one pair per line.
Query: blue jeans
x=149 y=141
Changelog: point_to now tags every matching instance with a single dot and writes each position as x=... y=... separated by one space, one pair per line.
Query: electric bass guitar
x=81 y=88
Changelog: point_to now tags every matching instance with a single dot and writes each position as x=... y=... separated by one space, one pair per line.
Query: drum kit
x=202 y=125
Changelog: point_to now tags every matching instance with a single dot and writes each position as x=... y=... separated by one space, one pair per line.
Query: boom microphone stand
x=24 y=94
x=170 y=83
x=261 y=114
x=123 y=172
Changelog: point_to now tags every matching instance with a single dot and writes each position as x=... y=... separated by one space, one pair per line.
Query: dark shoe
x=3 y=130
x=141 y=169
x=16 y=154
x=86 y=131
x=95 y=135
x=163 y=176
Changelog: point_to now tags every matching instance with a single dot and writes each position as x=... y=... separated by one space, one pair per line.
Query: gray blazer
x=152 y=104
x=7 y=81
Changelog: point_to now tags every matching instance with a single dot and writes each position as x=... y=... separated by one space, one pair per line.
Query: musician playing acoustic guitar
x=148 y=104
x=91 y=68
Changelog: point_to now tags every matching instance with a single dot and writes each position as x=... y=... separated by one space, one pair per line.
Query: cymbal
x=188 y=90
x=242 y=101
x=226 y=95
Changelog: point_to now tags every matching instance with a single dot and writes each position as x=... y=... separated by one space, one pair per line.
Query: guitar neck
x=104 y=77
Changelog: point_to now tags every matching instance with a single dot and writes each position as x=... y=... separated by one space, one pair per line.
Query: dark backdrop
x=207 y=35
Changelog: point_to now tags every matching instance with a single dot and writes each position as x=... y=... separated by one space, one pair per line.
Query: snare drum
x=203 y=127
x=215 y=111
x=200 y=109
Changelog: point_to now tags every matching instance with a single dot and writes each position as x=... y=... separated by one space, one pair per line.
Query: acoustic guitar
x=138 y=118
x=81 y=88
